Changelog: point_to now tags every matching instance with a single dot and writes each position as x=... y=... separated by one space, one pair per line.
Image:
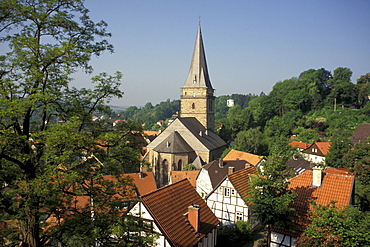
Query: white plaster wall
x=226 y=207
x=139 y=210
x=204 y=185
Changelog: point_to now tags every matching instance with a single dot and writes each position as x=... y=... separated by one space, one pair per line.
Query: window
x=220 y=190
x=239 y=216
x=227 y=192
x=193 y=106
x=232 y=192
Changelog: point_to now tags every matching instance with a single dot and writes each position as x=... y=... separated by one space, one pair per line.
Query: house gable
x=169 y=206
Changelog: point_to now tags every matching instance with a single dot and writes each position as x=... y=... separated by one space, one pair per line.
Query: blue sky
x=250 y=45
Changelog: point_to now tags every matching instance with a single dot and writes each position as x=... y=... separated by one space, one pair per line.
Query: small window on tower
x=195 y=79
x=193 y=106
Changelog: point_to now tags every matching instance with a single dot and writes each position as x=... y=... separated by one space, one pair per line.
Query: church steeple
x=197 y=98
x=198 y=72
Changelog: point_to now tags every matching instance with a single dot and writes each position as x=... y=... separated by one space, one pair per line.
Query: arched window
x=179 y=165
x=164 y=173
x=193 y=106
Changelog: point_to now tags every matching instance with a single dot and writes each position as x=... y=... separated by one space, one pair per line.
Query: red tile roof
x=168 y=205
x=139 y=186
x=190 y=175
x=322 y=148
x=337 y=185
x=300 y=145
x=239 y=155
x=241 y=179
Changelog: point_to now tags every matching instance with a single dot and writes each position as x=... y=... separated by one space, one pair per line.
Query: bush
x=234 y=235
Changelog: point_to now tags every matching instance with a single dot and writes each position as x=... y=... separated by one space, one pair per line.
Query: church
x=189 y=138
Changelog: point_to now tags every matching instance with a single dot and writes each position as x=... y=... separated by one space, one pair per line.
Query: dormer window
x=195 y=79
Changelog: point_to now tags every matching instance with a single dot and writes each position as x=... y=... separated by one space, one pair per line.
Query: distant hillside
x=118 y=108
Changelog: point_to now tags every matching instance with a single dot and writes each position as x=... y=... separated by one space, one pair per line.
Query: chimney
x=194 y=216
x=230 y=170
x=141 y=175
x=221 y=163
x=316 y=176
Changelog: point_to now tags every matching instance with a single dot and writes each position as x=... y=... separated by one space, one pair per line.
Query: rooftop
x=168 y=207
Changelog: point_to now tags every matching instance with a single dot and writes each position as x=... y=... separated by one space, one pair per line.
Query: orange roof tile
x=239 y=155
x=143 y=181
x=337 y=185
x=190 y=175
x=139 y=186
x=300 y=145
x=241 y=179
x=150 y=133
x=168 y=205
x=324 y=147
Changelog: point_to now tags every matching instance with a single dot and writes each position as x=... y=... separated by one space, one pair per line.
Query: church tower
x=197 y=99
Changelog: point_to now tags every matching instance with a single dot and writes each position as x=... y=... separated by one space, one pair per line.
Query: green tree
x=358 y=159
x=270 y=198
x=48 y=140
x=234 y=235
x=250 y=141
x=340 y=144
x=341 y=87
x=363 y=89
x=335 y=226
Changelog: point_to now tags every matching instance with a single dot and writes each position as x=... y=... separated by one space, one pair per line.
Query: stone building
x=189 y=137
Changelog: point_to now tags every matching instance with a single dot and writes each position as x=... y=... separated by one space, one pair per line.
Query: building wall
x=198 y=103
x=226 y=203
x=204 y=185
x=139 y=210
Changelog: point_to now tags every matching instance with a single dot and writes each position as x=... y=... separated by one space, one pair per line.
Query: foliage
x=225 y=152
x=237 y=234
x=189 y=167
x=249 y=141
x=50 y=149
x=340 y=144
x=358 y=159
x=150 y=114
x=270 y=197
x=335 y=226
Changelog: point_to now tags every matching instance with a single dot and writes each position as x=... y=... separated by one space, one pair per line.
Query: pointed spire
x=198 y=72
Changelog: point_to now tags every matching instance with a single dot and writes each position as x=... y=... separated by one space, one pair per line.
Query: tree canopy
x=51 y=151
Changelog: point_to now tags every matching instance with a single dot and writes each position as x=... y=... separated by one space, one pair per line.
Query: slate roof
x=361 y=133
x=190 y=175
x=168 y=205
x=239 y=155
x=241 y=179
x=193 y=133
x=198 y=73
x=300 y=145
x=299 y=165
x=217 y=173
x=337 y=185
x=198 y=162
x=174 y=143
